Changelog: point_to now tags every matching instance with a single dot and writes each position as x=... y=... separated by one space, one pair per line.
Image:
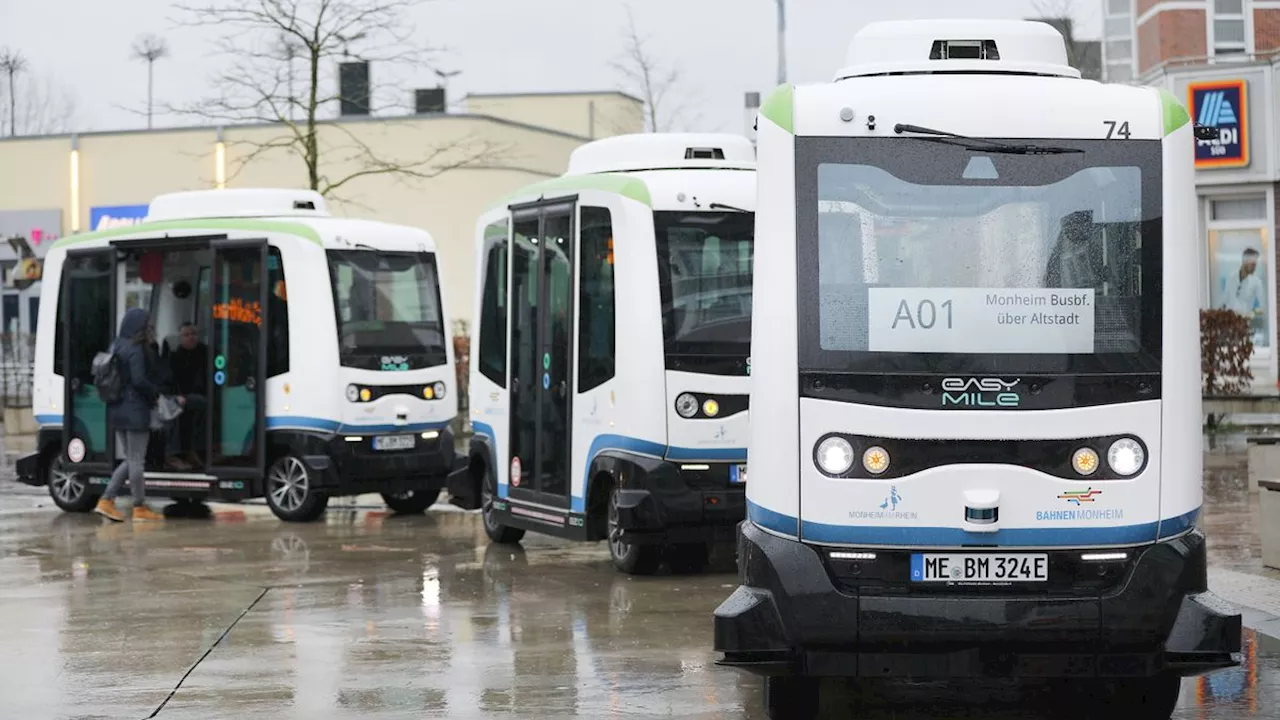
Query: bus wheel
x=688 y=558
x=496 y=531
x=410 y=502
x=1146 y=698
x=68 y=489
x=791 y=696
x=290 y=493
x=628 y=557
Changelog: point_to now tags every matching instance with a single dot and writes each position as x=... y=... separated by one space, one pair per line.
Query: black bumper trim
x=788 y=616
x=659 y=503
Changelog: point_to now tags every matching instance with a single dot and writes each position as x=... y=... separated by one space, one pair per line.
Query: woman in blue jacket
x=131 y=417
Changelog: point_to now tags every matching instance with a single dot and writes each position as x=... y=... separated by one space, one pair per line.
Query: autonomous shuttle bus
x=315 y=343
x=611 y=360
x=977 y=355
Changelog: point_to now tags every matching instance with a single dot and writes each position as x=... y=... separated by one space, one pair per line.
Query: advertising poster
x=1221 y=104
x=1239 y=278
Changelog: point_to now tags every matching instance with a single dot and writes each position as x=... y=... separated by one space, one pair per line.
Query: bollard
x=1264 y=461
x=1270 y=518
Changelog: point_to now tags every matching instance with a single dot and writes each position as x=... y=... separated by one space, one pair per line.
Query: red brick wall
x=1144 y=5
x=1266 y=31
x=1171 y=34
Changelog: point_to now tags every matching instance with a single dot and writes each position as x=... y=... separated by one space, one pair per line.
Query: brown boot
x=145 y=514
x=107 y=509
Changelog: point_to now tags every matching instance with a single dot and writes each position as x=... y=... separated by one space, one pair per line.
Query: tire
x=1145 y=698
x=69 y=490
x=290 y=493
x=628 y=557
x=411 y=502
x=497 y=532
x=793 y=697
x=688 y=558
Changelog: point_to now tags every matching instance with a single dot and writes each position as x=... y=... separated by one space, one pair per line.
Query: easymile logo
x=980 y=392
x=395 y=363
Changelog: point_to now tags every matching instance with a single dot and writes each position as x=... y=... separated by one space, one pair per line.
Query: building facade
x=1220 y=58
x=51 y=186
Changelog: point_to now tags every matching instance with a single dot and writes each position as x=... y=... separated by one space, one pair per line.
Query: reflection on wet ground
x=367 y=615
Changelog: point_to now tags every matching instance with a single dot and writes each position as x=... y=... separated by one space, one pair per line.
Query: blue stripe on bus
x=601 y=443
x=300 y=422
x=952 y=537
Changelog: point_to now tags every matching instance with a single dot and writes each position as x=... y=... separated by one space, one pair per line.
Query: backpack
x=108 y=377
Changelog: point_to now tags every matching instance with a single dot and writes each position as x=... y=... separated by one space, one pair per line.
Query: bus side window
x=596 y=327
x=493 y=309
x=277 y=315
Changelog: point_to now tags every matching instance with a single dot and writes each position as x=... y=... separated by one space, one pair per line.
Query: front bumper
x=343 y=467
x=797 y=613
x=659 y=502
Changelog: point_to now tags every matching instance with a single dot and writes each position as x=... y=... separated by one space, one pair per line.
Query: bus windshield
x=704 y=273
x=388 y=309
x=930 y=257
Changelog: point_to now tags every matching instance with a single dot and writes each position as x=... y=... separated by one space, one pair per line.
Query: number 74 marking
x=1115 y=129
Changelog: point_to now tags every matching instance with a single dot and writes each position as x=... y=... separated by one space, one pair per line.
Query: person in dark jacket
x=187 y=367
x=131 y=417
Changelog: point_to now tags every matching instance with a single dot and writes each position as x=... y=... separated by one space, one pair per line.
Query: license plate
x=737 y=473
x=983 y=568
x=393 y=442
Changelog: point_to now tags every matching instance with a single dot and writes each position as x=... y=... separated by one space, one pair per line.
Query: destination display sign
x=981 y=320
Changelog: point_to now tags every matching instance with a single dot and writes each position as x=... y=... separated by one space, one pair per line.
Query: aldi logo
x=1221 y=104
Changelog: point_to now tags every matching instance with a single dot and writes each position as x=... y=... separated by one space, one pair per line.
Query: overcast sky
x=723 y=47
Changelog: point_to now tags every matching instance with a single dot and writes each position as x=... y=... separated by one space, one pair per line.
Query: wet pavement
x=377 y=616
x=371 y=615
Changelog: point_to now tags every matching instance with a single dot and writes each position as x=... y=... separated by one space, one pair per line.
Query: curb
x=1260 y=622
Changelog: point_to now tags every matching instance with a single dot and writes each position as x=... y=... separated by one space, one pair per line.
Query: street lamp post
x=782 y=41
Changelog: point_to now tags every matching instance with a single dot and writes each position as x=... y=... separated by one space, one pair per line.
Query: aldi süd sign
x=1221 y=104
x=114 y=216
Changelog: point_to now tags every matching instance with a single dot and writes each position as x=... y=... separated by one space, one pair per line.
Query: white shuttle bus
x=327 y=370
x=611 y=351
x=977 y=352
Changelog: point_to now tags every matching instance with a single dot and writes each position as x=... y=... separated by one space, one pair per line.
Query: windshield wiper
x=722 y=206
x=979 y=144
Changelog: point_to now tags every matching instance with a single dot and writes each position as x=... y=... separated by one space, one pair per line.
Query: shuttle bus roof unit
x=238 y=203
x=663 y=151
x=968 y=46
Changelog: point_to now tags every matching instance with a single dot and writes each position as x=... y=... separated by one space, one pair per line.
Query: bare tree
x=11 y=63
x=264 y=37
x=46 y=108
x=149 y=48
x=649 y=79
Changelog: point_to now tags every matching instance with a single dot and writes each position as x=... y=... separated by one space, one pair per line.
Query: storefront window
x=1240 y=275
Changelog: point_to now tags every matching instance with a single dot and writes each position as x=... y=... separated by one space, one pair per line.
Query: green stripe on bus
x=615 y=183
x=1175 y=115
x=244 y=224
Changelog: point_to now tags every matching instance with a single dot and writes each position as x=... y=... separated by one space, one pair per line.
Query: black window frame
x=912 y=159
x=495 y=301
x=277 y=342
x=706 y=358
x=594 y=370
x=426 y=358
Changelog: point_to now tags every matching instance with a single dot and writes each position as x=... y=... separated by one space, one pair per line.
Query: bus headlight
x=428 y=392
x=835 y=456
x=686 y=405
x=439 y=390
x=711 y=408
x=875 y=460
x=1085 y=461
x=1125 y=456
x=353 y=393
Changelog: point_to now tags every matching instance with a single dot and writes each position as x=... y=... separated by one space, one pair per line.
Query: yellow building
x=52 y=186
